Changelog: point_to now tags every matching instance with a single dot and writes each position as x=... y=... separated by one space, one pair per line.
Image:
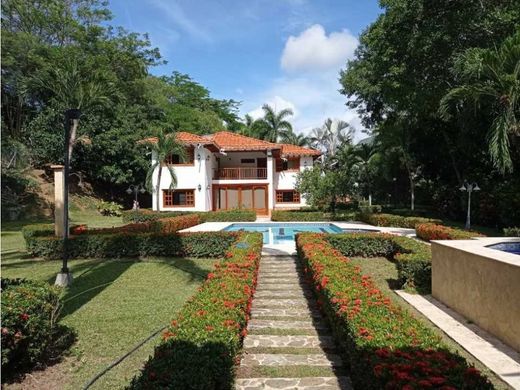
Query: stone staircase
x=288 y=346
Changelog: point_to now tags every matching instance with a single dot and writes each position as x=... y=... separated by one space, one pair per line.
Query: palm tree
x=331 y=136
x=295 y=139
x=274 y=124
x=163 y=146
x=365 y=158
x=492 y=79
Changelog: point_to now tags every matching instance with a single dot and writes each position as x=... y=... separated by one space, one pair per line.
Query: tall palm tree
x=331 y=136
x=492 y=78
x=163 y=146
x=275 y=124
x=295 y=139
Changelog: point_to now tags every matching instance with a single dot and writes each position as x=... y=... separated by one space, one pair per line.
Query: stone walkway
x=288 y=346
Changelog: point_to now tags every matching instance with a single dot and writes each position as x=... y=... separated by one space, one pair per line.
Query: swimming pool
x=509 y=247
x=283 y=233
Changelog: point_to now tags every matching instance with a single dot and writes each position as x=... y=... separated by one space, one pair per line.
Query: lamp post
x=469 y=188
x=135 y=188
x=64 y=278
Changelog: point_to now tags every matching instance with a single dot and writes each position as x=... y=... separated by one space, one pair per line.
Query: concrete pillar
x=59 y=209
x=270 y=178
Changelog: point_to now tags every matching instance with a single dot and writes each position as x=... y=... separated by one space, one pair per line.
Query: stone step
x=281 y=286
x=281 y=359
x=283 y=283
x=283 y=324
x=279 y=258
x=307 y=383
x=289 y=279
x=268 y=341
x=284 y=312
x=284 y=270
x=282 y=294
x=263 y=302
x=278 y=275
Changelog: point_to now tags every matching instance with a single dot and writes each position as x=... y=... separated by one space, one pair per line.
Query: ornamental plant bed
x=200 y=347
x=387 y=347
x=31 y=334
x=145 y=215
x=430 y=231
x=412 y=258
x=395 y=220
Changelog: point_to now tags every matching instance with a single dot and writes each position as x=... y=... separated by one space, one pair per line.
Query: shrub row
x=387 y=347
x=31 y=232
x=310 y=216
x=431 y=231
x=412 y=258
x=395 y=220
x=206 y=244
x=200 y=347
x=144 y=215
x=512 y=232
x=30 y=332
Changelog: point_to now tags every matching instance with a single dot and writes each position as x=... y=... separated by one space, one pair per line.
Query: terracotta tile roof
x=231 y=141
x=228 y=141
x=294 y=150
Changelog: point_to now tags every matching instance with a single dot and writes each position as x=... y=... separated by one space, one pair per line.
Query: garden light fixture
x=469 y=188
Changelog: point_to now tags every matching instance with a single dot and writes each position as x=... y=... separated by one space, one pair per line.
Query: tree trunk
x=412 y=195
x=72 y=139
x=158 y=189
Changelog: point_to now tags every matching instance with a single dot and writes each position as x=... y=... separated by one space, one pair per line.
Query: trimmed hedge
x=512 y=232
x=30 y=332
x=31 y=232
x=431 y=231
x=163 y=225
x=412 y=258
x=395 y=220
x=200 y=347
x=203 y=244
x=310 y=216
x=144 y=215
x=386 y=346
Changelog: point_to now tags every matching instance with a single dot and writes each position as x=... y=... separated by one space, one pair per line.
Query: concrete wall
x=483 y=289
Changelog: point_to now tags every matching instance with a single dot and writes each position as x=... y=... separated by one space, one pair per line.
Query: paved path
x=289 y=345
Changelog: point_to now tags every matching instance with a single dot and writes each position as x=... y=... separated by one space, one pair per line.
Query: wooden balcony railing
x=240 y=173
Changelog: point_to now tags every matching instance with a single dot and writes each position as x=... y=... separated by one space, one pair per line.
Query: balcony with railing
x=253 y=173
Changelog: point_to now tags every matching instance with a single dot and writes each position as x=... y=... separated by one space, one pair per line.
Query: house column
x=270 y=179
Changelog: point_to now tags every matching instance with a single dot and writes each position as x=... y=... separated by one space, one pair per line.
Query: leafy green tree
x=331 y=136
x=491 y=80
x=366 y=158
x=162 y=146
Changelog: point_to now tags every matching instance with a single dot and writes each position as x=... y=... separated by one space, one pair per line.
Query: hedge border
x=431 y=231
x=386 y=346
x=200 y=346
x=412 y=257
x=144 y=215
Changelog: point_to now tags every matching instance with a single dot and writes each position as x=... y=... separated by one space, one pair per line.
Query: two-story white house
x=227 y=171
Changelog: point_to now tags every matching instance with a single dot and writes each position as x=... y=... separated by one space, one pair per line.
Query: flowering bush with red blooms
x=388 y=348
x=430 y=231
x=200 y=347
x=30 y=332
x=80 y=229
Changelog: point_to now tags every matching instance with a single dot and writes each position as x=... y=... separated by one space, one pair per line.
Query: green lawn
x=384 y=274
x=112 y=305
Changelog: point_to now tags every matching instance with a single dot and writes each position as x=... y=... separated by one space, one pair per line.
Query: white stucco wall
x=202 y=171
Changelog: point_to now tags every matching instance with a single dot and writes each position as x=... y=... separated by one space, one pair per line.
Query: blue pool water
x=283 y=233
x=509 y=247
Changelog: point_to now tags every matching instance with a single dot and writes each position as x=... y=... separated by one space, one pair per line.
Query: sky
x=287 y=53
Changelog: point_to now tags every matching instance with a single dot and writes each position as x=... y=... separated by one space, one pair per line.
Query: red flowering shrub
x=200 y=346
x=388 y=348
x=430 y=231
x=30 y=332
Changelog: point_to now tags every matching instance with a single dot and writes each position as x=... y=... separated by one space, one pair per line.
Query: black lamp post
x=135 y=188
x=71 y=116
x=469 y=188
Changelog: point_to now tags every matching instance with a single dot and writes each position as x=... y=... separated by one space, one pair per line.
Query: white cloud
x=277 y=102
x=313 y=50
x=173 y=11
